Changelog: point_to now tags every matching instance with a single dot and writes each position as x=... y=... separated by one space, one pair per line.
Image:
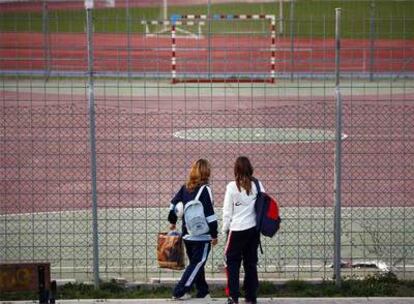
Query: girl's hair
x=199 y=174
x=243 y=172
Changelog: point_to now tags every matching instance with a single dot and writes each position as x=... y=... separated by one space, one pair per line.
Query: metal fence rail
x=90 y=117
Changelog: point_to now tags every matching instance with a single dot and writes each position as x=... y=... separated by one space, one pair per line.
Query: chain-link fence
x=154 y=87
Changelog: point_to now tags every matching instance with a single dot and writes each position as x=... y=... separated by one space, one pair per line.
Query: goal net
x=231 y=48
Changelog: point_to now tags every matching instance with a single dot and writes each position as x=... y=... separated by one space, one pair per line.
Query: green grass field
x=395 y=19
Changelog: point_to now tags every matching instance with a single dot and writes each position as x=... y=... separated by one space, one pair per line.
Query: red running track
x=67 y=52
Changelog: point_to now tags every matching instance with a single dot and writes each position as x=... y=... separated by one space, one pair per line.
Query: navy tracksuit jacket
x=197 y=247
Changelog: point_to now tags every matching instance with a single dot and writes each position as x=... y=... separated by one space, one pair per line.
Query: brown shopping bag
x=170 y=251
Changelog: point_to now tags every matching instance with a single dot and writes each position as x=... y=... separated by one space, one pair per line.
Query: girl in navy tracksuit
x=197 y=247
x=239 y=222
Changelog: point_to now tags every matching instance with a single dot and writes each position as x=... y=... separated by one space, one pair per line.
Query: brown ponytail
x=243 y=173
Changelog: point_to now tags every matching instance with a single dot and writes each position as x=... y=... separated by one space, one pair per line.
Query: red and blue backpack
x=267 y=213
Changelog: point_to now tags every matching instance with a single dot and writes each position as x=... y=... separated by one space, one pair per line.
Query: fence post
x=338 y=152
x=372 y=41
x=209 y=38
x=128 y=20
x=292 y=36
x=281 y=17
x=164 y=10
x=92 y=139
x=45 y=30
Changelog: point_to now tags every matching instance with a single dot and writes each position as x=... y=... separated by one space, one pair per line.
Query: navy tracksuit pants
x=242 y=246
x=197 y=252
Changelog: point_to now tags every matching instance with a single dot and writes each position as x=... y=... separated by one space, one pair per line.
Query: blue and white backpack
x=194 y=217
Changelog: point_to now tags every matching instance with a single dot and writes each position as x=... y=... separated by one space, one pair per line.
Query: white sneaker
x=207 y=297
x=186 y=296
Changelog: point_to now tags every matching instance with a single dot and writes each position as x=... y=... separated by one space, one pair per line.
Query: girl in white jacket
x=239 y=222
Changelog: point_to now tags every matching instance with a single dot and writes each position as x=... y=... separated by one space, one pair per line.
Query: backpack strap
x=199 y=192
x=256 y=182
x=260 y=245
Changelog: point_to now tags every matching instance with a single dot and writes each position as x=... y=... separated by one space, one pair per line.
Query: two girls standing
x=239 y=224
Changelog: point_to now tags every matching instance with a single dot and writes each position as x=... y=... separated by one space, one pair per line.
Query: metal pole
x=372 y=41
x=209 y=37
x=281 y=17
x=45 y=30
x=338 y=150
x=92 y=140
x=128 y=40
x=164 y=11
x=292 y=36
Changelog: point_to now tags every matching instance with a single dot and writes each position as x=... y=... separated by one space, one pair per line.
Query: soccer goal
x=232 y=48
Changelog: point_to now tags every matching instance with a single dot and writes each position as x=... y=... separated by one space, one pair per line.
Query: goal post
x=237 y=48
